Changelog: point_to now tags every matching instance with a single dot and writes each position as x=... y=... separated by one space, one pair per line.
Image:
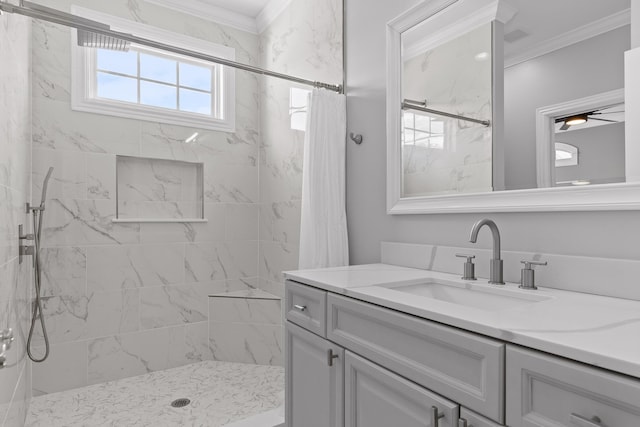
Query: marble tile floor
x=221 y=393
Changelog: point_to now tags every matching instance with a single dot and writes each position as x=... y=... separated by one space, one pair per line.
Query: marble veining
x=220 y=393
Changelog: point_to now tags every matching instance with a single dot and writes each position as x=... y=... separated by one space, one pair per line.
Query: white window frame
x=568 y=148
x=83 y=78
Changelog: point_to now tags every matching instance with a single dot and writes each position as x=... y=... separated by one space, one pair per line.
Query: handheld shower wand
x=38 y=214
x=45 y=185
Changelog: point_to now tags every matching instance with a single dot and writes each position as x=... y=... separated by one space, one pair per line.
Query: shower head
x=86 y=37
x=45 y=184
x=101 y=41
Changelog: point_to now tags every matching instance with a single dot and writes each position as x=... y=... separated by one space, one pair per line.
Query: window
x=150 y=84
x=566 y=155
x=150 y=78
x=422 y=131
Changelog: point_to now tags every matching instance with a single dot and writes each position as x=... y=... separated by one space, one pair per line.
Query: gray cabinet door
x=548 y=391
x=375 y=397
x=314 y=380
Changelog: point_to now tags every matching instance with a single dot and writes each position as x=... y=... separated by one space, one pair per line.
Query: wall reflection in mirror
x=564 y=59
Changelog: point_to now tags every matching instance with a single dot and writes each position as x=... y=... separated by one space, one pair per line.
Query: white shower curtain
x=323 y=230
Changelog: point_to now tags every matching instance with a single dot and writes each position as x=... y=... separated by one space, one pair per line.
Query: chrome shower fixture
x=100 y=41
x=86 y=38
x=38 y=214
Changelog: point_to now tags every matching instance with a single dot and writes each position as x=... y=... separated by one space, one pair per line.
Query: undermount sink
x=484 y=297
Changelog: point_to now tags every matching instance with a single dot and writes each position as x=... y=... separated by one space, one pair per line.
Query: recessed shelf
x=159 y=190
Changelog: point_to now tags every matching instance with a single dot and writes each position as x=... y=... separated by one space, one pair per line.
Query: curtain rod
x=80 y=23
x=407 y=104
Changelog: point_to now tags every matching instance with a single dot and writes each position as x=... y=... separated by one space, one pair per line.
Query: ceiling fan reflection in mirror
x=582 y=118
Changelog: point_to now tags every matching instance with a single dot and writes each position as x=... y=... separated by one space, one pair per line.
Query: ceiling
x=247 y=15
x=250 y=8
x=544 y=20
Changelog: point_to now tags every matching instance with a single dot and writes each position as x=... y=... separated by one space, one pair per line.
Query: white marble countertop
x=597 y=330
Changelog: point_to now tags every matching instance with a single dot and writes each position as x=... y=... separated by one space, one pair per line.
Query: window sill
x=150 y=114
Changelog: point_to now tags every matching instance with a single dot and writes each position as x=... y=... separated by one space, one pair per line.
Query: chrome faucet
x=496 y=268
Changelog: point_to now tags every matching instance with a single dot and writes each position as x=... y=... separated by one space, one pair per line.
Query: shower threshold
x=220 y=394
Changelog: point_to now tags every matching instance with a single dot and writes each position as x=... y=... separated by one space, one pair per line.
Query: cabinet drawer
x=376 y=397
x=306 y=307
x=461 y=366
x=545 y=391
x=474 y=420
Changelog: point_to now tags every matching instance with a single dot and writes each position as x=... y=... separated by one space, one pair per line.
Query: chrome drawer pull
x=300 y=307
x=463 y=423
x=435 y=416
x=584 y=422
x=331 y=356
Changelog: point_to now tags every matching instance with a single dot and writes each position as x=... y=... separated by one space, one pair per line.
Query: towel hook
x=356 y=138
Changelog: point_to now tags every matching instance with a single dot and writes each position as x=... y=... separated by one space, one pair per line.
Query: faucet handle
x=467 y=256
x=469 y=267
x=528 y=264
x=527 y=275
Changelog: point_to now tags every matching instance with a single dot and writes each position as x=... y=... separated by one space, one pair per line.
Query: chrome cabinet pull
x=584 y=422
x=300 y=307
x=435 y=416
x=463 y=423
x=331 y=356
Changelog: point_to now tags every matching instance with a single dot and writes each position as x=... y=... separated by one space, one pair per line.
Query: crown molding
x=211 y=13
x=498 y=10
x=601 y=26
x=269 y=13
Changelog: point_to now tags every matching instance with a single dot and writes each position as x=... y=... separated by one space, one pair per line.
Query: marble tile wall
x=305 y=41
x=15 y=160
x=127 y=299
x=158 y=188
x=246 y=327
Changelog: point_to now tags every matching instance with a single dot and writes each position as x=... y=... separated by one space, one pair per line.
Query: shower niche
x=158 y=190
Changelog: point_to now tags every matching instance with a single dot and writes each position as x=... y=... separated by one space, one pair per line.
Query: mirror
x=446 y=90
x=498 y=99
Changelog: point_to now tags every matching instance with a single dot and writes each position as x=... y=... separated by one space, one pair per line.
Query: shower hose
x=38 y=214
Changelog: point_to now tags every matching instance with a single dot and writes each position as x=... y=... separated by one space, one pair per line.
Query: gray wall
x=607 y=234
x=583 y=69
x=635 y=17
x=600 y=154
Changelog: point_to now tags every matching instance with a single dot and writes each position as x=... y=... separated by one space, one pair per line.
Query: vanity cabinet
x=547 y=391
x=376 y=397
x=355 y=364
x=314 y=378
x=307 y=307
x=471 y=419
x=465 y=367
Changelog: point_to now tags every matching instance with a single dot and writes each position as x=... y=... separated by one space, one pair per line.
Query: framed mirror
x=494 y=107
